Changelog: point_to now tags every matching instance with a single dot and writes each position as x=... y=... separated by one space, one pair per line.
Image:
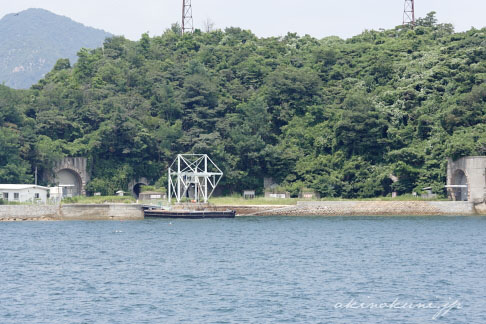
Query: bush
x=153 y=188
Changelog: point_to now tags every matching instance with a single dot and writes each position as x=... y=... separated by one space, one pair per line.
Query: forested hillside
x=339 y=116
x=31 y=41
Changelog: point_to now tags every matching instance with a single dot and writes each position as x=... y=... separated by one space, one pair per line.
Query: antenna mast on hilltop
x=187 y=24
x=409 y=13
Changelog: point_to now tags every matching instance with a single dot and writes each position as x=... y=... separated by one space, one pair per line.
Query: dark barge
x=189 y=214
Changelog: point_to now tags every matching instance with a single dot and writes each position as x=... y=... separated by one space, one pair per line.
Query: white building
x=23 y=193
x=62 y=191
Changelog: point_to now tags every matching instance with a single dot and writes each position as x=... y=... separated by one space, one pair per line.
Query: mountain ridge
x=34 y=39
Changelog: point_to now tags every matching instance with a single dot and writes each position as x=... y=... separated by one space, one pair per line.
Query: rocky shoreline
x=27 y=219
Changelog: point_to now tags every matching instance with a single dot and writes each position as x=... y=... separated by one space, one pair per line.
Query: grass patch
x=235 y=200
x=232 y=200
x=99 y=200
x=6 y=202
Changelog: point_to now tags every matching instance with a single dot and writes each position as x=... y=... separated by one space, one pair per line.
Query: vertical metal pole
x=205 y=178
x=409 y=13
x=36 y=175
x=197 y=183
x=169 y=192
x=183 y=14
x=178 y=178
x=413 y=13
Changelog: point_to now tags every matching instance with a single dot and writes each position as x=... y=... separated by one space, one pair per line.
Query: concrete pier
x=71 y=212
x=101 y=212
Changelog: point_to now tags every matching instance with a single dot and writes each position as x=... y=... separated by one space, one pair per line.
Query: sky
x=318 y=18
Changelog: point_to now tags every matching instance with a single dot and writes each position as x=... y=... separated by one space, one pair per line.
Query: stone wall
x=27 y=212
x=387 y=208
x=252 y=210
x=303 y=208
x=362 y=208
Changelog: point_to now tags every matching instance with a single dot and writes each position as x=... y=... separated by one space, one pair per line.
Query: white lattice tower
x=196 y=171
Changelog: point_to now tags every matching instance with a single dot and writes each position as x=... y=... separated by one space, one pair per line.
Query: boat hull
x=189 y=214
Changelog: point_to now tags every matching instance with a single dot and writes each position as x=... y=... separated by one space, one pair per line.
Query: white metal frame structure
x=196 y=170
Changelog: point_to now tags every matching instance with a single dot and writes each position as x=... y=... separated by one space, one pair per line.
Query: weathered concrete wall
x=134 y=182
x=27 y=212
x=303 y=208
x=474 y=167
x=100 y=212
x=480 y=209
x=71 y=212
x=77 y=165
x=361 y=208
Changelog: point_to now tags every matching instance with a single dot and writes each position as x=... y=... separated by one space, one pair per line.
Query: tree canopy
x=338 y=116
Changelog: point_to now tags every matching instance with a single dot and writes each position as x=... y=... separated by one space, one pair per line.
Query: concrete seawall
x=303 y=208
x=71 y=212
x=100 y=212
x=28 y=212
x=362 y=208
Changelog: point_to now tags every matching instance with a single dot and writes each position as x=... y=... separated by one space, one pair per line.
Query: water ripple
x=246 y=270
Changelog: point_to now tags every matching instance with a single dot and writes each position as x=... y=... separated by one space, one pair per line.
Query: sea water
x=245 y=270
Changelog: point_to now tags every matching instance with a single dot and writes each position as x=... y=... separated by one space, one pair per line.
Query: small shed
x=23 y=193
x=151 y=195
x=249 y=194
x=120 y=193
x=61 y=191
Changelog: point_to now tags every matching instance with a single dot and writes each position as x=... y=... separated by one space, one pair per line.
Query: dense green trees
x=338 y=116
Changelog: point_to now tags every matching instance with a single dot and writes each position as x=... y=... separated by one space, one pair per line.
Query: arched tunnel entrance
x=137 y=189
x=70 y=181
x=461 y=185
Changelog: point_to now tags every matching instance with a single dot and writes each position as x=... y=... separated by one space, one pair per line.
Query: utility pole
x=187 y=23
x=409 y=13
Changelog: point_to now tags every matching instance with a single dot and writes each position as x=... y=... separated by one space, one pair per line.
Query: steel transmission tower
x=409 y=13
x=187 y=24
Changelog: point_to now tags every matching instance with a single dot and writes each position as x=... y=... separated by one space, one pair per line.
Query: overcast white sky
x=319 y=18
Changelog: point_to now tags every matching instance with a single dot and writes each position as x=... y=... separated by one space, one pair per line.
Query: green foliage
x=336 y=116
x=152 y=188
x=99 y=200
x=13 y=169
